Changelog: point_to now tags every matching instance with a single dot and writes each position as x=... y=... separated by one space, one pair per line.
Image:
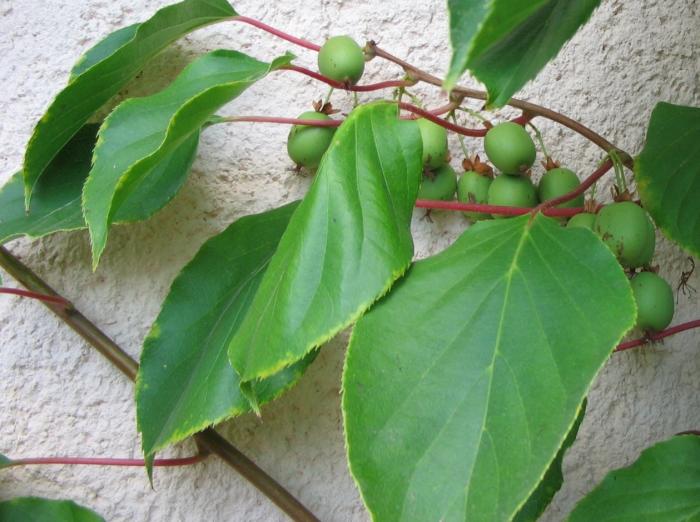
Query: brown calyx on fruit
x=590 y=206
x=475 y=164
x=618 y=196
x=324 y=108
x=550 y=163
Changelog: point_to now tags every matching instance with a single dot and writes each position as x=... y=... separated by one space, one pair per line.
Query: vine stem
x=88 y=461
x=277 y=119
x=657 y=336
x=280 y=34
x=389 y=84
x=34 y=295
x=208 y=439
x=494 y=209
x=529 y=108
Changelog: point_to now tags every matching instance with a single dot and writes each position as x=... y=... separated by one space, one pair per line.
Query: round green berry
x=341 y=59
x=439 y=184
x=306 y=144
x=473 y=187
x=654 y=299
x=510 y=148
x=512 y=191
x=628 y=232
x=582 y=220
x=557 y=182
x=434 y=143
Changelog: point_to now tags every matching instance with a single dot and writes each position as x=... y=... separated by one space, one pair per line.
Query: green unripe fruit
x=512 y=191
x=654 y=299
x=440 y=184
x=341 y=59
x=557 y=182
x=434 y=143
x=628 y=232
x=473 y=187
x=510 y=148
x=306 y=144
x=583 y=220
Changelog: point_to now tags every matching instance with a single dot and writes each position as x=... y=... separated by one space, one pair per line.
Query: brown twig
x=209 y=439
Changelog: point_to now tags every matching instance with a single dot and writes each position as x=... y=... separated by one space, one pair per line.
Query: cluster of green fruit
x=624 y=226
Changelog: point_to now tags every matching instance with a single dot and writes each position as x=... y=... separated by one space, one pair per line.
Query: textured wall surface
x=57 y=397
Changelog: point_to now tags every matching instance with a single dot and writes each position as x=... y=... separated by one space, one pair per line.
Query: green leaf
x=461 y=385
x=56 y=205
x=185 y=382
x=552 y=480
x=35 y=509
x=668 y=173
x=663 y=485
x=141 y=132
x=104 y=70
x=505 y=43
x=346 y=244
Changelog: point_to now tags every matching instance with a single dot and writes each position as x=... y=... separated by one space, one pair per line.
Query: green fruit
x=654 y=299
x=341 y=59
x=628 y=232
x=583 y=220
x=473 y=187
x=557 y=182
x=512 y=191
x=439 y=184
x=510 y=148
x=306 y=144
x=434 y=143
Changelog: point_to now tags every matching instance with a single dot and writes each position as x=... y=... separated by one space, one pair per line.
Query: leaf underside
x=668 y=173
x=35 y=509
x=461 y=385
x=104 y=70
x=141 y=132
x=663 y=485
x=185 y=382
x=56 y=205
x=348 y=241
x=505 y=43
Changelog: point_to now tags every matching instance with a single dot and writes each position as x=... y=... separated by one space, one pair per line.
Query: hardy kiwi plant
x=467 y=373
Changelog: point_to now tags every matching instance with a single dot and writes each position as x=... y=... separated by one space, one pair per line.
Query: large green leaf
x=56 y=205
x=4 y=461
x=104 y=70
x=538 y=501
x=668 y=173
x=141 y=132
x=462 y=384
x=663 y=485
x=505 y=43
x=346 y=244
x=185 y=382
x=35 y=509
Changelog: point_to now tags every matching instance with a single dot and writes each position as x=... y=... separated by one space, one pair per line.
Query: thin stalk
x=493 y=209
x=535 y=110
x=34 y=295
x=657 y=336
x=276 y=119
x=89 y=461
x=585 y=184
x=209 y=439
x=540 y=140
x=459 y=136
x=389 y=84
x=280 y=34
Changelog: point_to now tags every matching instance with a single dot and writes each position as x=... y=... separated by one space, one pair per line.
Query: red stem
x=293 y=39
x=35 y=295
x=585 y=185
x=657 y=336
x=493 y=209
x=84 y=461
x=290 y=121
x=340 y=85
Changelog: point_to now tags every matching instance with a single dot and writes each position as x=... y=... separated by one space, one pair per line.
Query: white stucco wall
x=59 y=397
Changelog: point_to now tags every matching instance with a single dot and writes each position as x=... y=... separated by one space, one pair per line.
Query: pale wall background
x=58 y=397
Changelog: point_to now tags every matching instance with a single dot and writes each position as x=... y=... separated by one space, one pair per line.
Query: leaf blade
x=140 y=132
x=668 y=173
x=185 y=382
x=40 y=509
x=662 y=485
x=346 y=244
x=95 y=85
x=465 y=360
x=57 y=197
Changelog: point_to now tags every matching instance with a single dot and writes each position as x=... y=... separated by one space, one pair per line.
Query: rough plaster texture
x=57 y=397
